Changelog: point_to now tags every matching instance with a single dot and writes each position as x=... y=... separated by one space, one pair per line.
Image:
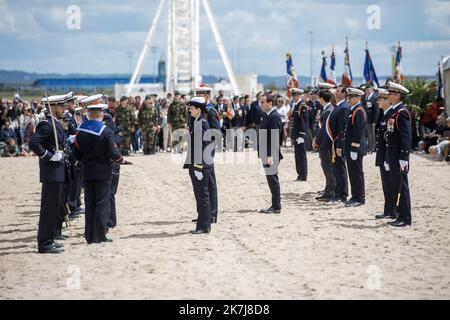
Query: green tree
x=422 y=93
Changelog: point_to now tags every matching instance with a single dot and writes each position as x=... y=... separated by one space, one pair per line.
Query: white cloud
x=438 y=16
x=353 y=24
x=263 y=30
x=7 y=21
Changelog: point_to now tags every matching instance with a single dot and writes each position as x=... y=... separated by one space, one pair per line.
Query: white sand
x=310 y=251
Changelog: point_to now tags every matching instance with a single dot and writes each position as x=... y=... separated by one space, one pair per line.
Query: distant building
x=65 y=84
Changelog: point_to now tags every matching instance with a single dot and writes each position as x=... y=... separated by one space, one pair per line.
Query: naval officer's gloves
x=57 y=157
x=403 y=165
x=300 y=140
x=354 y=156
x=72 y=139
x=198 y=175
x=387 y=167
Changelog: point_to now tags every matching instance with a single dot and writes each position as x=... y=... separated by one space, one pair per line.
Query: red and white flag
x=347 y=77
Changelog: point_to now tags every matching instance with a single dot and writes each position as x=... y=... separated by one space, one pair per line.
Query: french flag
x=347 y=77
x=332 y=75
x=291 y=80
x=398 y=64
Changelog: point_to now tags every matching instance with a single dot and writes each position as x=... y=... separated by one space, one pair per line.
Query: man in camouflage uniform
x=126 y=120
x=177 y=117
x=148 y=119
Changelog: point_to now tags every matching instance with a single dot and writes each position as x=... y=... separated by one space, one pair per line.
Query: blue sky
x=257 y=34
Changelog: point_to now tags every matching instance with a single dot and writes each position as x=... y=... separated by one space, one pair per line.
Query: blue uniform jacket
x=355 y=131
x=96 y=148
x=43 y=144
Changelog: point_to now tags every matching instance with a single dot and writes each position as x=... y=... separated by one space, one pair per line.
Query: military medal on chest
x=390 y=125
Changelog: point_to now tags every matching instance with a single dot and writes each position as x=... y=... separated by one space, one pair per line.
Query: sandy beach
x=310 y=251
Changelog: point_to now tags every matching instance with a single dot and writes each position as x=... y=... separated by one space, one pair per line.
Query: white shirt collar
x=394 y=107
x=268 y=113
x=387 y=110
x=370 y=96
x=327 y=105
x=340 y=102
x=356 y=106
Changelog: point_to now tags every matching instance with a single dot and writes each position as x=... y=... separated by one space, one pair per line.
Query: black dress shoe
x=339 y=199
x=321 y=193
x=385 y=216
x=324 y=198
x=399 y=223
x=60 y=237
x=58 y=245
x=201 y=231
x=107 y=240
x=300 y=179
x=73 y=216
x=50 y=248
x=213 y=220
x=271 y=210
x=353 y=204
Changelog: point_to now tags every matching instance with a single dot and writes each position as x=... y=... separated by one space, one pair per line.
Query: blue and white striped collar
x=94 y=127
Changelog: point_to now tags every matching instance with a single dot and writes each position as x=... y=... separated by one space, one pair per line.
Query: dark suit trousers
x=404 y=207
x=327 y=167
x=388 y=192
x=75 y=190
x=64 y=210
x=301 y=163
x=340 y=174
x=212 y=190
x=356 y=177
x=51 y=203
x=202 y=198
x=274 y=186
x=112 y=197
x=97 y=199
x=370 y=129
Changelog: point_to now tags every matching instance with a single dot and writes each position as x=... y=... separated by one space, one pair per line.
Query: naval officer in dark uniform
x=355 y=147
x=389 y=211
x=370 y=104
x=270 y=140
x=299 y=129
x=336 y=128
x=213 y=119
x=200 y=164
x=48 y=144
x=118 y=135
x=75 y=186
x=95 y=146
x=398 y=147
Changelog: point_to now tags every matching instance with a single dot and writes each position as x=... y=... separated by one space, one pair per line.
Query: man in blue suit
x=355 y=147
x=270 y=140
x=336 y=127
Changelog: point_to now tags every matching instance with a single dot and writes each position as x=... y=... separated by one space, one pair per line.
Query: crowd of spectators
x=435 y=137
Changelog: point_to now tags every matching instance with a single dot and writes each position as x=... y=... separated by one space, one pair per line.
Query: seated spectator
x=432 y=139
x=10 y=148
x=439 y=151
x=431 y=114
x=7 y=132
